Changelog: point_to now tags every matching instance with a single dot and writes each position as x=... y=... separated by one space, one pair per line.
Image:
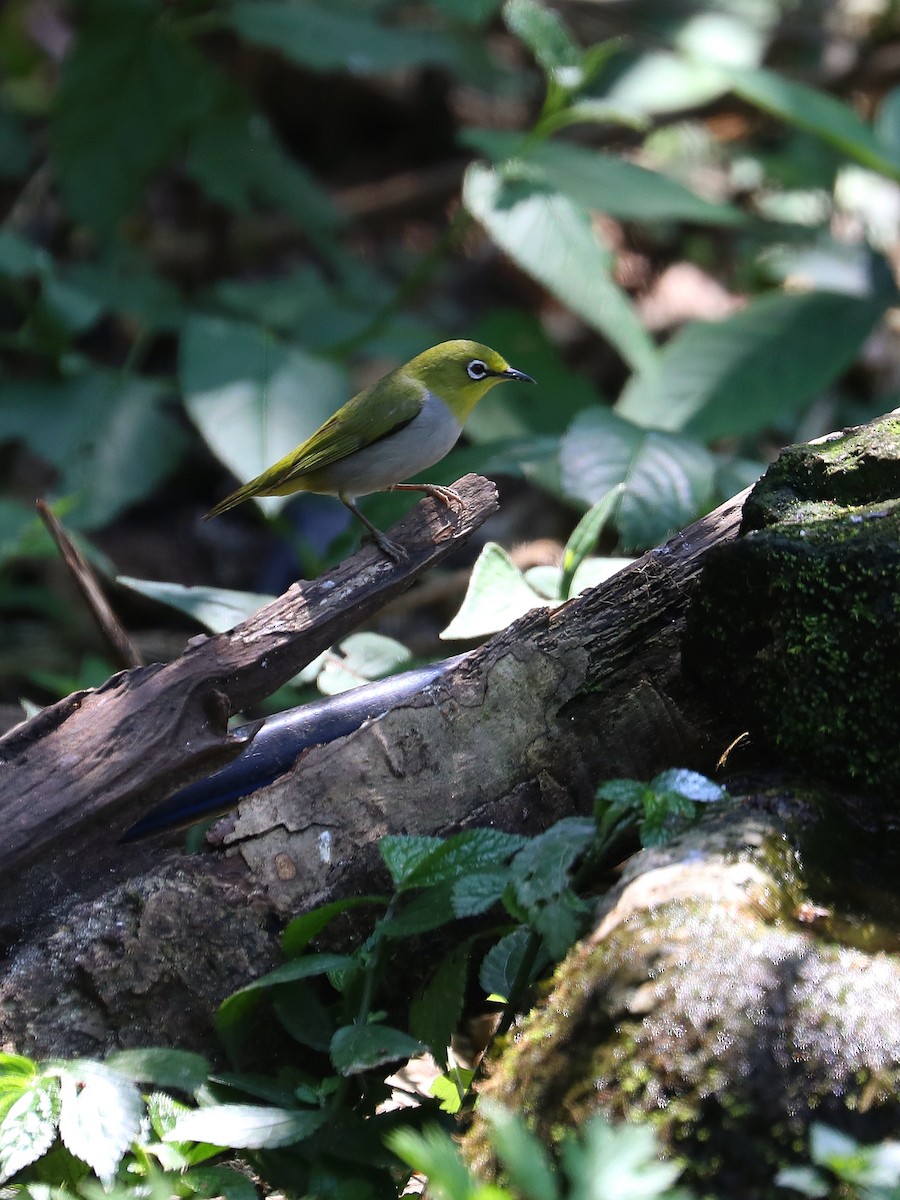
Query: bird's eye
x=477 y=369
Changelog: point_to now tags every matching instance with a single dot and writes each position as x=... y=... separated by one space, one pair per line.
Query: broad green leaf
x=19 y=257
x=131 y=290
x=100 y=1115
x=739 y=375
x=28 y=1129
x=329 y=38
x=162 y=1067
x=245 y=1126
x=226 y=1182
x=254 y=397
x=238 y=161
x=305 y=1017
x=540 y=876
x=662 y=82
x=106 y=152
x=356 y=1048
x=234 y=1009
x=583 y=538
x=403 y=854
x=464 y=852
x=451 y=1088
x=300 y=932
x=475 y=893
x=501 y=965
x=589 y=573
x=497 y=595
x=112 y=437
x=605 y=182
x=668 y=479
x=217 y=609
x=429 y=909
x=436 y=1155
x=360 y=658
x=618 y=1162
x=817 y=113
x=551 y=239
x=525 y=1161
x=435 y=1014
x=887 y=122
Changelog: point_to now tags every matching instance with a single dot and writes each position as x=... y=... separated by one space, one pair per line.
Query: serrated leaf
x=497 y=594
x=739 y=375
x=100 y=1115
x=526 y=1162
x=540 y=877
x=500 y=967
x=299 y=932
x=459 y=855
x=356 y=1048
x=29 y=1128
x=450 y=1089
x=252 y=397
x=551 y=239
x=475 y=893
x=690 y=784
x=217 y=609
x=618 y=1162
x=325 y=38
x=430 y=909
x=105 y=153
x=668 y=479
x=162 y=1067
x=246 y=1126
x=402 y=854
x=584 y=537
x=218 y=1181
x=435 y=1014
x=817 y=113
x=604 y=182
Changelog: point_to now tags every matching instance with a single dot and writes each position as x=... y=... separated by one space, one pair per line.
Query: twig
x=124 y=650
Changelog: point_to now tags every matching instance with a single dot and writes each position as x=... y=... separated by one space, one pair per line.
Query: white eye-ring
x=477 y=369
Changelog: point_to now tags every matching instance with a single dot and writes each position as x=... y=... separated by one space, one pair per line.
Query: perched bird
x=405 y=422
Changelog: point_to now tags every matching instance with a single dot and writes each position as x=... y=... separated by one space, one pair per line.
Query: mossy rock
x=726 y=999
x=796 y=625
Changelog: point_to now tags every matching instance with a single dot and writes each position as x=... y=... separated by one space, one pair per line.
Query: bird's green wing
x=370 y=416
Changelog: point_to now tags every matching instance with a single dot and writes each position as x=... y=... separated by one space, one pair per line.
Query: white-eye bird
x=401 y=425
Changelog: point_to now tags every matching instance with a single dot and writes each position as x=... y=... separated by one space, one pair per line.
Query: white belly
x=420 y=444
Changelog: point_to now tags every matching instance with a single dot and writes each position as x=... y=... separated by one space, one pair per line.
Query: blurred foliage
x=219 y=219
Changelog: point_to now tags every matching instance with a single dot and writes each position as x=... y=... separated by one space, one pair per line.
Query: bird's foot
x=447 y=496
x=390 y=548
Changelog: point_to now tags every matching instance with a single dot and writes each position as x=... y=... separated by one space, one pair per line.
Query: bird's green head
x=461 y=373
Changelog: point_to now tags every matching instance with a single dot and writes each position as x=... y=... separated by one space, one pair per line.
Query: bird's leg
x=389 y=547
x=438 y=491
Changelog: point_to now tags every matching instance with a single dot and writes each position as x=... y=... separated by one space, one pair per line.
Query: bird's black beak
x=512 y=373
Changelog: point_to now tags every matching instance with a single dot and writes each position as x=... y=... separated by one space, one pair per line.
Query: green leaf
x=304 y=1016
x=105 y=153
x=473 y=12
x=162 y=1067
x=540 y=876
x=497 y=594
x=737 y=376
x=543 y=32
x=29 y=1128
x=217 y=609
x=605 y=182
x=402 y=854
x=128 y=289
x=359 y=658
x=690 y=784
x=329 y=38
x=435 y=1155
x=100 y=1115
x=113 y=438
x=20 y=258
x=234 y=1009
x=817 y=113
x=584 y=537
x=668 y=479
x=459 y=855
x=887 y=122
x=526 y=1162
x=551 y=239
x=16 y=150
x=501 y=965
x=252 y=397
x=451 y=1089
x=301 y=930
x=246 y=1126
x=475 y=893
x=618 y=1162
x=217 y=1181
x=430 y=909
x=357 y=1048
x=435 y=1014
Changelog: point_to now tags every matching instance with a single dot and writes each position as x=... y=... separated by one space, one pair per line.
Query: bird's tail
x=234 y=499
